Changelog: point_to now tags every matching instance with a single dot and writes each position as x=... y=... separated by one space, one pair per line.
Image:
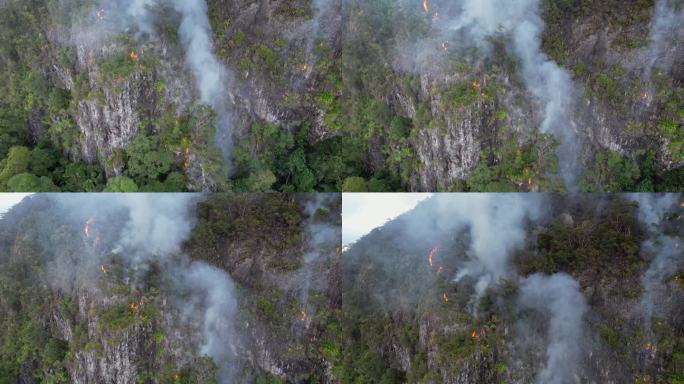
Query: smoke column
x=668 y=256
x=666 y=16
x=321 y=238
x=195 y=35
x=548 y=82
x=213 y=290
x=155 y=228
x=559 y=296
x=496 y=228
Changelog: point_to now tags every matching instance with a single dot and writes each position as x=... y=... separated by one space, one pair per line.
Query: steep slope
x=332 y=94
x=105 y=295
x=530 y=289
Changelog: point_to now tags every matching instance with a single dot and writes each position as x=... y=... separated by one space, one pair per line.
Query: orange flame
x=476 y=85
x=426 y=6
x=186 y=161
x=445 y=297
x=133 y=306
x=134 y=56
x=304 y=316
x=86 y=227
x=432 y=253
x=104 y=268
x=474 y=334
x=101 y=14
x=445 y=45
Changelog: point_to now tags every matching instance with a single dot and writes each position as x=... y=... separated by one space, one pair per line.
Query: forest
x=185 y=288
x=340 y=95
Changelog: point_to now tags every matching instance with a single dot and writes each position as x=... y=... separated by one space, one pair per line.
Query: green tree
x=81 y=177
x=28 y=182
x=260 y=181
x=17 y=161
x=43 y=161
x=147 y=162
x=11 y=131
x=355 y=184
x=303 y=179
x=121 y=184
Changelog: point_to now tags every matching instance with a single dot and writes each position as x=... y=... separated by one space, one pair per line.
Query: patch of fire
x=478 y=334
x=134 y=56
x=445 y=45
x=104 y=268
x=101 y=14
x=186 y=157
x=136 y=305
x=304 y=316
x=432 y=253
x=475 y=85
x=445 y=297
x=426 y=6
x=88 y=223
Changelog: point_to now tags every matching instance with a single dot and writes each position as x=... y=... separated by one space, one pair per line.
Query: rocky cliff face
x=422 y=324
x=116 y=322
x=419 y=107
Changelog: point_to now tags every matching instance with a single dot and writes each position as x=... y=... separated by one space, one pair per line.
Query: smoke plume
x=667 y=16
x=153 y=229
x=496 y=224
x=558 y=296
x=213 y=297
x=480 y=19
x=212 y=79
x=667 y=259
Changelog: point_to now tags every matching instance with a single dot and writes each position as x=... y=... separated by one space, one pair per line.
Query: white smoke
x=558 y=296
x=496 y=223
x=213 y=296
x=668 y=256
x=158 y=224
x=154 y=228
x=549 y=83
x=212 y=77
x=667 y=19
x=321 y=240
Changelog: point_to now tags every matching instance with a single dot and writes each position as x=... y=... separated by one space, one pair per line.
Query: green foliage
x=147 y=160
x=611 y=336
x=355 y=184
x=612 y=172
x=81 y=177
x=607 y=245
x=257 y=221
x=27 y=182
x=279 y=155
x=121 y=184
x=11 y=130
x=17 y=161
x=513 y=168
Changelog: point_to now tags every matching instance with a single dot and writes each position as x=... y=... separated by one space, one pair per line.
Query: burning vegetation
x=431 y=255
x=86 y=227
